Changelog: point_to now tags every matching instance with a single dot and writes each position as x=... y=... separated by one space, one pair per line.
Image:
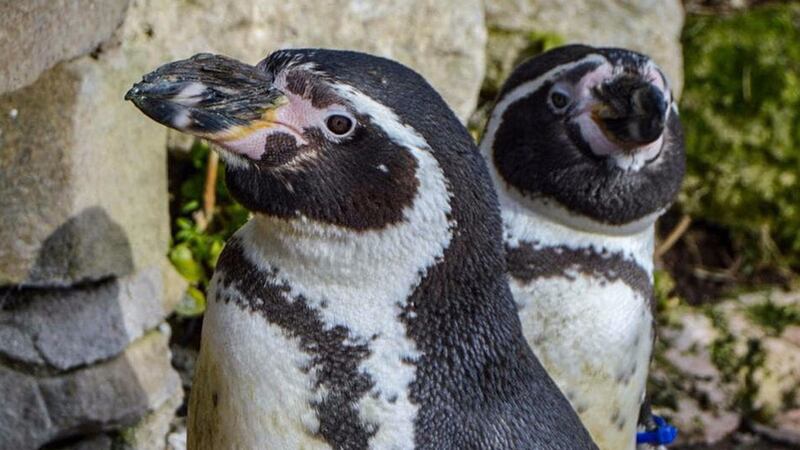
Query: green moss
x=125 y=438
x=773 y=317
x=741 y=110
x=737 y=367
x=668 y=312
x=723 y=348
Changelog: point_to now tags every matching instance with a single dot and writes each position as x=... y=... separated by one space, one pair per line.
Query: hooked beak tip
x=132 y=93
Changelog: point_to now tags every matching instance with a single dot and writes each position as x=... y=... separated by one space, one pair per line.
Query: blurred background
x=111 y=226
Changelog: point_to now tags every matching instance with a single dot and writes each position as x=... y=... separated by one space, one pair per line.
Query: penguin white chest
x=594 y=337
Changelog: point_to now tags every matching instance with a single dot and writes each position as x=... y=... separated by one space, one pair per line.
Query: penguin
x=365 y=303
x=586 y=151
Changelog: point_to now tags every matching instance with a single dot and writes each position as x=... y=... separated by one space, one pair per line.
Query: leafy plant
x=199 y=235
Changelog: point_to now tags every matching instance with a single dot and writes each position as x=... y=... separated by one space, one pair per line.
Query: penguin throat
x=305 y=248
x=554 y=212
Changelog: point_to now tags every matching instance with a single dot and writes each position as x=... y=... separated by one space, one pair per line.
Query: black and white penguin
x=586 y=151
x=365 y=304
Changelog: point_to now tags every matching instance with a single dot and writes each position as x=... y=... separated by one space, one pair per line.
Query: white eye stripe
x=383 y=117
x=525 y=90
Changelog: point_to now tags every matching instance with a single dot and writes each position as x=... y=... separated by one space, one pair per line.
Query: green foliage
x=197 y=240
x=738 y=365
x=773 y=317
x=667 y=302
x=741 y=111
x=723 y=348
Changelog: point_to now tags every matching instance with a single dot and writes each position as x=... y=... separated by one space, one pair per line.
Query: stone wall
x=84 y=286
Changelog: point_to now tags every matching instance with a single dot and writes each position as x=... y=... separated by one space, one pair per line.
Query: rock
x=789 y=420
x=703 y=407
x=151 y=432
x=737 y=360
x=40 y=409
x=174 y=287
x=649 y=26
x=184 y=359
x=97 y=181
x=37 y=34
x=66 y=328
x=179 y=144
x=17 y=344
x=757 y=317
x=446 y=46
x=24 y=422
x=177 y=439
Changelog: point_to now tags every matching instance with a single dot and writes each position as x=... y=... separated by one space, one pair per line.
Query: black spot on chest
x=334 y=357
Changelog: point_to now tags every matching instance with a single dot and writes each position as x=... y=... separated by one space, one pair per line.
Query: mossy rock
x=741 y=111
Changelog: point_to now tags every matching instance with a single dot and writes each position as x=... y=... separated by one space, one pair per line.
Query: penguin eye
x=339 y=124
x=559 y=99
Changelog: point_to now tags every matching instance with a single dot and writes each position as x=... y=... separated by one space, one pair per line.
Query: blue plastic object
x=663 y=434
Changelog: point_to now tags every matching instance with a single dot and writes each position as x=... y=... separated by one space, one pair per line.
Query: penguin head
x=593 y=131
x=306 y=133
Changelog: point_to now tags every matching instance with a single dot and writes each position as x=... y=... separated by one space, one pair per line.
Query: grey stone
x=649 y=26
x=446 y=43
x=107 y=396
x=66 y=328
x=23 y=412
x=17 y=344
x=707 y=391
x=83 y=194
x=151 y=433
x=177 y=439
x=37 y=34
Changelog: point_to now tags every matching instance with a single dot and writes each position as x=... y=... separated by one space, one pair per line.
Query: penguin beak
x=631 y=111
x=209 y=96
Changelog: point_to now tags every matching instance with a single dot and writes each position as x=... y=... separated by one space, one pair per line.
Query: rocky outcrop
x=39 y=408
x=37 y=34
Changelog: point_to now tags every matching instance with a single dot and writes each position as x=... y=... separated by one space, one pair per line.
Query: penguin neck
x=390 y=260
x=360 y=259
x=361 y=280
x=546 y=224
